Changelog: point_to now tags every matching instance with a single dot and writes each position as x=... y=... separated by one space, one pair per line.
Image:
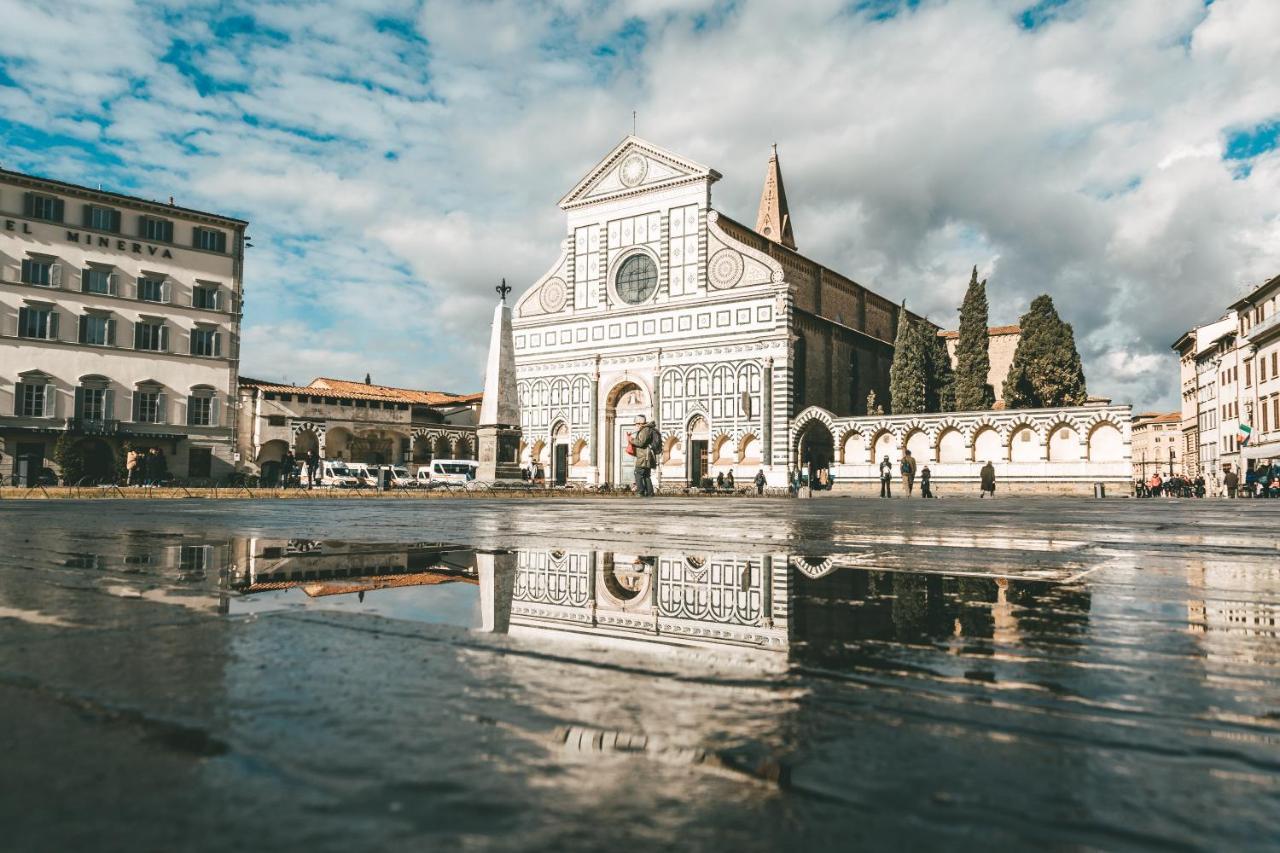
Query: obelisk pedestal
x=498 y=433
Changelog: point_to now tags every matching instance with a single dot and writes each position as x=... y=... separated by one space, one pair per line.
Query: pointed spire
x=774 y=219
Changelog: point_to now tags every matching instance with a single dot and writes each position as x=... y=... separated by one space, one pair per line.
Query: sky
x=396 y=159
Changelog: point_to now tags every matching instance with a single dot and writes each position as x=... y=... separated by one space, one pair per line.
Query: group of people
x=907 y=470
x=297 y=470
x=1262 y=481
x=146 y=467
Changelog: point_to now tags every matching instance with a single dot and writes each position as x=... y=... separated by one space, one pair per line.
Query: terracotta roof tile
x=343 y=389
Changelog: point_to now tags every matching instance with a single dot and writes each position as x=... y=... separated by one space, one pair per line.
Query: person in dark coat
x=760 y=481
x=728 y=481
x=886 y=477
x=644 y=442
x=925 y=475
x=988 y=480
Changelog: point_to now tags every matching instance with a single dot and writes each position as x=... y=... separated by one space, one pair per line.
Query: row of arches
x=374 y=447
x=1066 y=442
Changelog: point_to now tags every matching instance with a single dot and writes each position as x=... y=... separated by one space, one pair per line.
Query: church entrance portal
x=560 y=464
x=817 y=448
x=625 y=402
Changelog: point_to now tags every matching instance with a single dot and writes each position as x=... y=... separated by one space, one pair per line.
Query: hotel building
x=119 y=327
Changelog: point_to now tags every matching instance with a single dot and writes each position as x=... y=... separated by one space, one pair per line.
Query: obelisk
x=498 y=433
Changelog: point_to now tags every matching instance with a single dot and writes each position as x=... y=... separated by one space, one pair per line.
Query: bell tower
x=774 y=219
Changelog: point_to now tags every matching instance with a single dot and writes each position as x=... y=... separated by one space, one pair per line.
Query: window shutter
x=162 y=410
x=111 y=333
x=17 y=399
x=216 y=293
x=50 y=400
x=137 y=336
x=58 y=209
x=191 y=410
x=26 y=270
x=164 y=338
x=113 y=284
x=115 y=220
x=108 y=405
x=137 y=405
x=213 y=411
x=53 y=326
x=84 y=281
x=79 y=403
x=28 y=205
x=86 y=218
x=55 y=275
x=82 y=332
x=217 y=343
x=164 y=291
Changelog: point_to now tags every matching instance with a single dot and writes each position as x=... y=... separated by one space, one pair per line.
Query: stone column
x=766 y=413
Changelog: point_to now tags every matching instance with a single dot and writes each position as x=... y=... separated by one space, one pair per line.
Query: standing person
x=988 y=475
x=759 y=481
x=286 y=468
x=131 y=467
x=643 y=442
x=720 y=481
x=1232 y=482
x=886 y=475
x=162 y=467
x=313 y=466
x=793 y=482
x=1199 y=485
x=925 y=475
x=908 y=468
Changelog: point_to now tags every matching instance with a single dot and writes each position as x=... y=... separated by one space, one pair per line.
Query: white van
x=366 y=475
x=460 y=471
x=335 y=473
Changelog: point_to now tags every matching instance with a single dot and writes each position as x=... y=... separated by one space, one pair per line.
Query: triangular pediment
x=635 y=166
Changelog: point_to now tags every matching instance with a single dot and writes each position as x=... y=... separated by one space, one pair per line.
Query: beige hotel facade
x=119 y=326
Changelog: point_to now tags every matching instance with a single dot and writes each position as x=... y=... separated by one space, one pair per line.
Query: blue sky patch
x=1246 y=144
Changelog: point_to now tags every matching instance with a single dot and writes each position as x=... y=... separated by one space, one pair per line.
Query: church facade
x=661 y=305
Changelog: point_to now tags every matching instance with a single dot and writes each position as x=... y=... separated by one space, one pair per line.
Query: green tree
x=940 y=379
x=69 y=458
x=1046 y=370
x=973 y=361
x=907 y=372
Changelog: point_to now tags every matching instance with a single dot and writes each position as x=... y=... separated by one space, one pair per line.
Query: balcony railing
x=92 y=426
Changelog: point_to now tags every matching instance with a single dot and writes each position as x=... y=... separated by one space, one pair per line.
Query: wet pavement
x=704 y=675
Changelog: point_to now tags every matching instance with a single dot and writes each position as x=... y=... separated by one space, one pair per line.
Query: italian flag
x=1245 y=432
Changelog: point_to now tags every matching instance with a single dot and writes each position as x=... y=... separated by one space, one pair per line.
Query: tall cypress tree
x=907 y=373
x=940 y=379
x=973 y=361
x=1046 y=370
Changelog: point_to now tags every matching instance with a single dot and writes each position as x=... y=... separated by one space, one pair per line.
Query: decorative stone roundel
x=552 y=296
x=725 y=269
x=633 y=170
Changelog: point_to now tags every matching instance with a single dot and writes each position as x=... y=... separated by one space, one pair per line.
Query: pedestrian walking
x=643 y=443
x=720 y=481
x=925 y=476
x=760 y=481
x=287 y=466
x=131 y=467
x=988 y=476
x=729 y=482
x=313 y=467
x=1231 y=481
x=908 y=469
x=886 y=476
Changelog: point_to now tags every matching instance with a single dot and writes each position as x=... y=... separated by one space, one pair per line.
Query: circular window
x=637 y=279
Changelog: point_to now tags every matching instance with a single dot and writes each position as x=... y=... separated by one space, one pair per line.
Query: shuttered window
x=40 y=206
x=101 y=218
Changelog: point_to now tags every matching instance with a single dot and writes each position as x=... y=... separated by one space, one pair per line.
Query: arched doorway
x=699 y=462
x=98 y=461
x=304 y=442
x=625 y=402
x=269 y=459
x=817 y=448
x=560 y=454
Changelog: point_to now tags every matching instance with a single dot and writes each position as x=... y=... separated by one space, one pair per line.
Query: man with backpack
x=645 y=445
x=908 y=468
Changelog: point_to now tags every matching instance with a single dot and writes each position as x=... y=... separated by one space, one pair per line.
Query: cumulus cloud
x=398 y=157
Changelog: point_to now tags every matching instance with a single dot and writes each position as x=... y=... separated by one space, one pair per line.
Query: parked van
x=335 y=473
x=364 y=473
x=461 y=471
x=392 y=477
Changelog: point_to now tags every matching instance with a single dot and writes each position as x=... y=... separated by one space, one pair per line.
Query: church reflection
x=808 y=609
